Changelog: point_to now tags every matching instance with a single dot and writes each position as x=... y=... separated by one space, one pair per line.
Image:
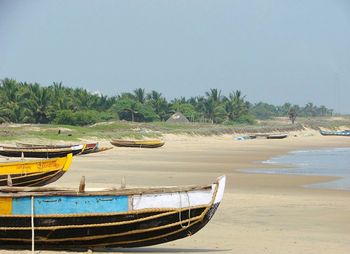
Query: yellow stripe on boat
x=5 y=205
x=36 y=166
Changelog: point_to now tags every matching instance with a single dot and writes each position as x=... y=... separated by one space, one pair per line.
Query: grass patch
x=123 y=129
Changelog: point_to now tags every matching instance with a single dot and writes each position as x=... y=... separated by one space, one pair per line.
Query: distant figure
x=59 y=131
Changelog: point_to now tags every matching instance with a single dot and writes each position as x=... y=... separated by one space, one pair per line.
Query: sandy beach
x=260 y=213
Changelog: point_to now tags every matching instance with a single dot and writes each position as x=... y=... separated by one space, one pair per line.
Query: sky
x=273 y=51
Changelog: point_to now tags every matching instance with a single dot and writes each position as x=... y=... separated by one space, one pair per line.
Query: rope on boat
x=189 y=211
x=32 y=223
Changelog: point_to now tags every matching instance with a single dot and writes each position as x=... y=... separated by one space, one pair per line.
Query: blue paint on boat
x=70 y=204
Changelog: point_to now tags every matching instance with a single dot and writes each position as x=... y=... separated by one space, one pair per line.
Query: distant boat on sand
x=335 y=133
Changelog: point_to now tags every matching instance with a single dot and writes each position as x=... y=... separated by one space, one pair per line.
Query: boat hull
x=277 y=136
x=41 y=153
x=137 y=144
x=335 y=133
x=106 y=220
x=33 y=179
x=123 y=231
x=33 y=173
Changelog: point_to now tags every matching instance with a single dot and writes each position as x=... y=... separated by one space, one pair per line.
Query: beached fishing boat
x=38 y=152
x=98 y=150
x=276 y=136
x=269 y=136
x=33 y=173
x=138 y=143
x=49 y=218
x=89 y=147
x=335 y=133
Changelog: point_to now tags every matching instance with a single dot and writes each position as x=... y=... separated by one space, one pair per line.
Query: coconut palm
x=159 y=104
x=215 y=95
x=236 y=106
x=11 y=109
x=140 y=95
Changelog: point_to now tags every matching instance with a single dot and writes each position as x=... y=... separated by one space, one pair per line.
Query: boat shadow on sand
x=159 y=250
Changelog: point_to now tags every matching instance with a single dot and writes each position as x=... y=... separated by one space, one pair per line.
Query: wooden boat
x=98 y=150
x=335 y=133
x=276 y=136
x=89 y=147
x=269 y=136
x=38 y=152
x=33 y=173
x=138 y=143
x=67 y=219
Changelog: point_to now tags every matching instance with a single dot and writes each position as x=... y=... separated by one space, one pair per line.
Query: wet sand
x=259 y=213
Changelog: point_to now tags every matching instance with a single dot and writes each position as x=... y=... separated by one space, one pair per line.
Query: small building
x=177 y=117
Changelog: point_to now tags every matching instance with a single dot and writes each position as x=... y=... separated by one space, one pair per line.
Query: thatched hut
x=177 y=117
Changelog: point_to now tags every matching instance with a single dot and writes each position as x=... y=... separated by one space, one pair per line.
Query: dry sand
x=259 y=213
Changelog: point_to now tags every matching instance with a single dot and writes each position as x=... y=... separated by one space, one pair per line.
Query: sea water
x=327 y=162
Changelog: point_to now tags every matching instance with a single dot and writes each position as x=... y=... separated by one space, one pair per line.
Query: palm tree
x=236 y=106
x=12 y=109
x=140 y=95
x=215 y=95
x=38 y=101
x=213 y=111
x=310 y=109
x=159 y=104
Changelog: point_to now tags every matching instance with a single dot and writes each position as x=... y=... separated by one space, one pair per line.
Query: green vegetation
x=120 y=129
x=22 y=102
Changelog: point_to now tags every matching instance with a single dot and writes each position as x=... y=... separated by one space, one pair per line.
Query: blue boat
x=335 y=133
x=51 y=218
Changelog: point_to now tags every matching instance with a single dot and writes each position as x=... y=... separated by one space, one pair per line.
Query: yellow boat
x=138 y=143
x=33 y=173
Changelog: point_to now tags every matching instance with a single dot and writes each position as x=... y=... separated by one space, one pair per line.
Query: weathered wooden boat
x=89 y=147
x=98 y=150
x=269 y=136
x=276 y=136
x=33 y=173
x=138 y=143
x=38 y=152
x=52 y=218
x=335 y=133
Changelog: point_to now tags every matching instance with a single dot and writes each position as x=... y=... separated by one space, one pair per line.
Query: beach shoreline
x=260 y=213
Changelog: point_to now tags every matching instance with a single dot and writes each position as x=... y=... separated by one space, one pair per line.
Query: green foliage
x=264 y=110
x=130 y=109
x=236 y=106
x=246 y=119
x=22 y=102
x=186 y=109
x=83 y=117
x=65 y=117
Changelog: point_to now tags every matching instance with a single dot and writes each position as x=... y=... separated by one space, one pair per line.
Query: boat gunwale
x=47 y=191
x=39 y=150
x=26 y=162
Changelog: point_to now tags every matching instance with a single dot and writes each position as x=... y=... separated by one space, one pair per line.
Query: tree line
x=22 y=102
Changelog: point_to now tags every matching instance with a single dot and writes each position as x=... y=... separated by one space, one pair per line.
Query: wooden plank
x=35 y=191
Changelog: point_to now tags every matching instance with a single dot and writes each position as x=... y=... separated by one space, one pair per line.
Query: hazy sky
x=273 y=51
